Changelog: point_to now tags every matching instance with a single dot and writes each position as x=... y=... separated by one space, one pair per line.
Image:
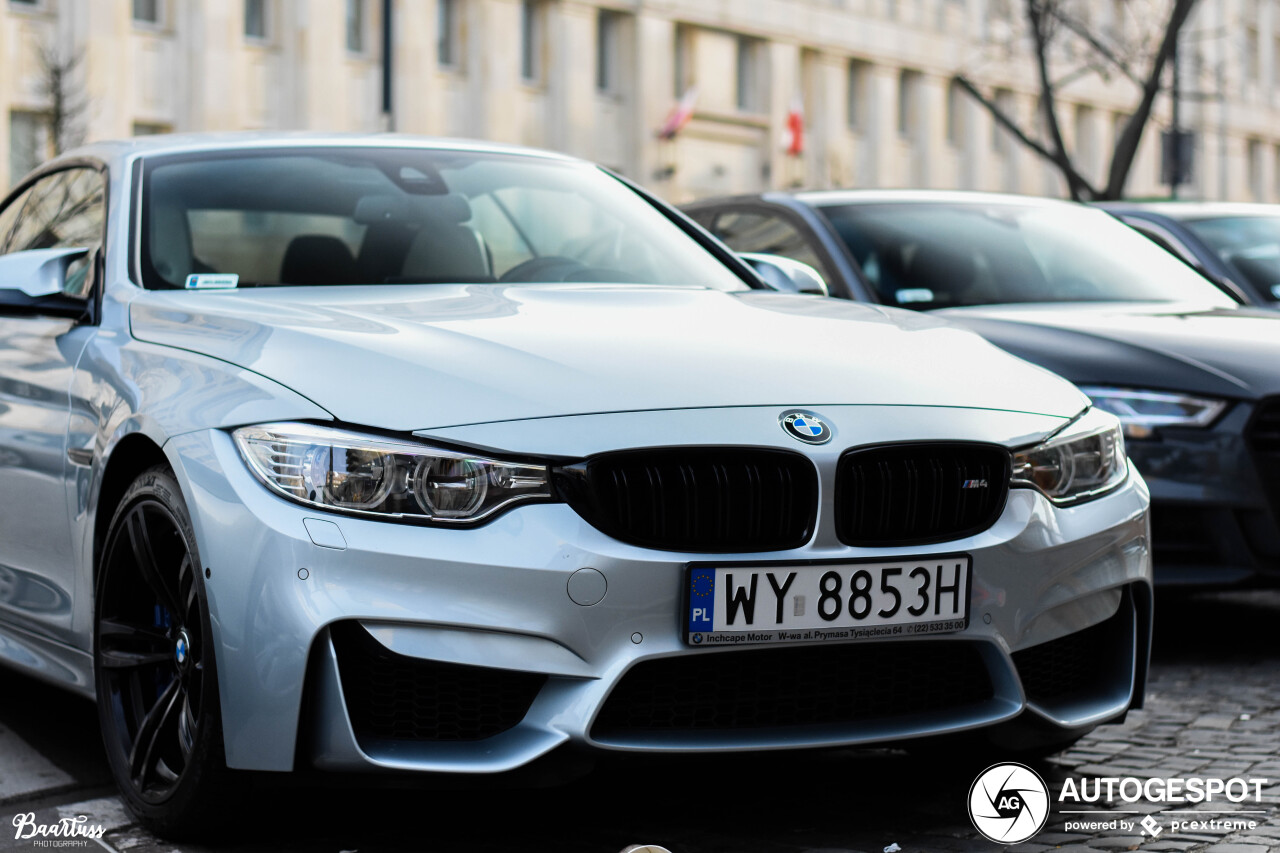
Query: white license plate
x=844 y=601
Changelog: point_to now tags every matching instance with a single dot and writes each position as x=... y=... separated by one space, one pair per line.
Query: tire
x=154 y=665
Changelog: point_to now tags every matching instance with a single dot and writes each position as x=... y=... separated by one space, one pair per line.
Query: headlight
x=1083 y=461
x=1142 y=412
x=367 y=475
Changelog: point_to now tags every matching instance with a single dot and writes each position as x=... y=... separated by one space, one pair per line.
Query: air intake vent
x=391 y=697
x=799 y=686
x=717 y=500
x=914 y=494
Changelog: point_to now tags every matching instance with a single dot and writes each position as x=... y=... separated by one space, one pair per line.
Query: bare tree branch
x=1080 y=189
x=1100 y=47
x=1003 y=119
x=1126 y=148
x=67 y=101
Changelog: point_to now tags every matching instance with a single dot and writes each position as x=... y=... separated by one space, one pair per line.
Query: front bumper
x=288 y=587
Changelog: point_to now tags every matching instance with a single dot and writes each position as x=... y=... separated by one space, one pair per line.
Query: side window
x=9 y=218
x=64 y=210
x=761 y=232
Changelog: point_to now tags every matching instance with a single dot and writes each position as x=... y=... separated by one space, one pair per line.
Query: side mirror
x=37 y=272
x=785 y=275
x=33 y=282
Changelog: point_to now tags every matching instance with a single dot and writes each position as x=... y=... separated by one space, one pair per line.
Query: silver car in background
x=387 y=455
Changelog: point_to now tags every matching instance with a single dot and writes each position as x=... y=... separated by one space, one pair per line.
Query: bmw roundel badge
x=805 y=426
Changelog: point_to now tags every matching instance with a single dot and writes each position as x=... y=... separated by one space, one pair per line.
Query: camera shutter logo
x=1008 y=803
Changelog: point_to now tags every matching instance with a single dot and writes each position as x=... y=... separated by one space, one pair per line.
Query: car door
x=38 y=354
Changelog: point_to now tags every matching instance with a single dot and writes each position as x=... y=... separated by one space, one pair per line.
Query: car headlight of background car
x=1142 y=412
x=1083 y=461
x=362 y=474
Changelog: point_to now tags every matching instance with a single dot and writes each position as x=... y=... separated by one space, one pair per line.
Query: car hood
x=1226 y=352
x=417 y=357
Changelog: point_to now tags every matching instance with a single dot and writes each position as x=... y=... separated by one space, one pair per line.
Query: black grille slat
x=796 y=686
x=697 y=499
x=1263 y=437
x=884 y=496
x=1264 y=428
x=392 y=697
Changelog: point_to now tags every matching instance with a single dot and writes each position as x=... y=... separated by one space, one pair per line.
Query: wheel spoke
x=145 y=557
x=122 y=645
x=186 y=727
x=146 y=745
x=119 y=659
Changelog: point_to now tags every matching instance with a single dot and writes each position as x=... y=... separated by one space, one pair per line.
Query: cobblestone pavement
x=1213 y=709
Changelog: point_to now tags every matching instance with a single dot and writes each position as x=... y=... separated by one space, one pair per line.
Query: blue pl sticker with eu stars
x=702 y=600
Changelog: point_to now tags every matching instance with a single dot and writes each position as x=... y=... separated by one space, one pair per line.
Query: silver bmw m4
x=387 y=455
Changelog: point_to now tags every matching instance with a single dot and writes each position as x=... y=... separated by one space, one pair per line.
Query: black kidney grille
x=697 y=499
x=1264 y=428
x=398 y=698
x=919 y=493
x=796 y=686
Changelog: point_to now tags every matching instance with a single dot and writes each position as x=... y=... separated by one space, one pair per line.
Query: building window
x=448 y=34
x=856 y=100
x=355 y=26
x=608 y=43
x=531 y=12
x=255 y=19
x=1001 y=139
x=1251 y=63
x=1085 y=140
x=1254 y=170
x=909 y=104
x=34 y=4
x=748 y=63
x=30 y=143
x=955 y=114
x=1275 y=173
x=683 y=60
x=146 y=11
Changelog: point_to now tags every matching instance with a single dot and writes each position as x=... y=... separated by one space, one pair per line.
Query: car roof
x=822 y=198
x=123 y=150
x=1193 y=209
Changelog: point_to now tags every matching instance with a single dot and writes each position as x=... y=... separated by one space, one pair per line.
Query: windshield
x=1249 y=244
x=923 y=256
x=405 y=216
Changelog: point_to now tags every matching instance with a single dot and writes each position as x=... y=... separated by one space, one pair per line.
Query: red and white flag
x=793 y=135
x=679 y=115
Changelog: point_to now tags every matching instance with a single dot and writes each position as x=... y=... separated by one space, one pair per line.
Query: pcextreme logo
x=1008 y=803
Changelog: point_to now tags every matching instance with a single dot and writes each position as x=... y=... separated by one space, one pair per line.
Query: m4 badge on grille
x=974 y=484
x=805 y=426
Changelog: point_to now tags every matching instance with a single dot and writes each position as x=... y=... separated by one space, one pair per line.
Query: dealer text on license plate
x=844 y=601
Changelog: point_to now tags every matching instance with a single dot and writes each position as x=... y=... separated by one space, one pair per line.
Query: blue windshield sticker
x=212 y=281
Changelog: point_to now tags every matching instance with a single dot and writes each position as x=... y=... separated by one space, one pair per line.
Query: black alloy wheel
x=156 y=682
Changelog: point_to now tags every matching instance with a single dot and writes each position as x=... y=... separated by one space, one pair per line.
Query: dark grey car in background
x=1237 y=245
x=1193 y=375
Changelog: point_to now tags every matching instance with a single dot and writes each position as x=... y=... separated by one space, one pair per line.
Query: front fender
x=122 y=388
